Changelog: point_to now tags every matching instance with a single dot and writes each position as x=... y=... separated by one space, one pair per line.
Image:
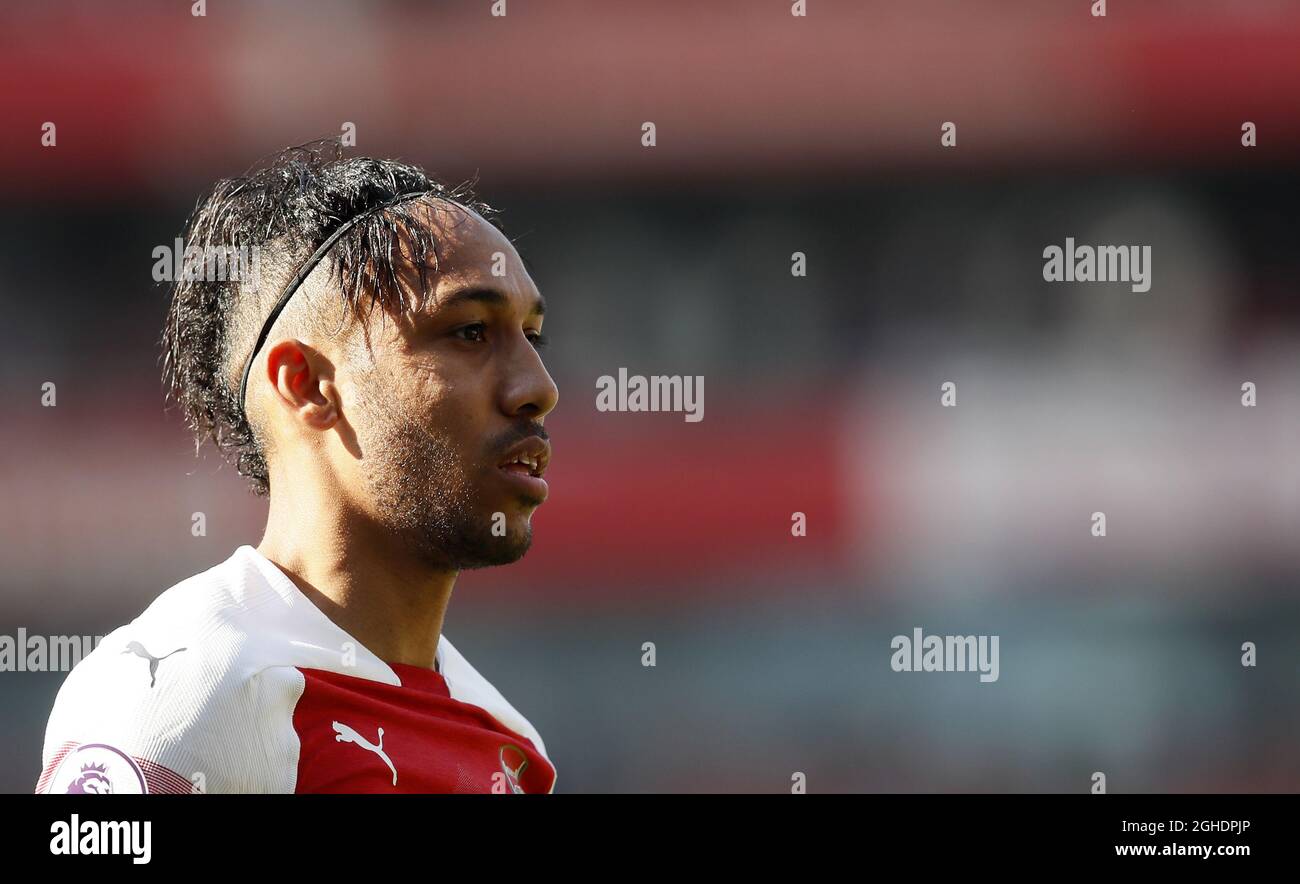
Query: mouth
x=525 y=464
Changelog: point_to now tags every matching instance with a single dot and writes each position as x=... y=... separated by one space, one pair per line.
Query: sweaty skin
x=386 y=443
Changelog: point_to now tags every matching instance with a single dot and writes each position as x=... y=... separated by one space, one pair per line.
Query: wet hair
x=279 y=213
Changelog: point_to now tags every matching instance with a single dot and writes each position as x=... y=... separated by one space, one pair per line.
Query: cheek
x=439 y=385
x=452 y=406
x=461 y=426
x=436 y=401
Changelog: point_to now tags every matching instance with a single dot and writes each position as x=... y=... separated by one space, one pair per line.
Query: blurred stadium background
x=775 y=134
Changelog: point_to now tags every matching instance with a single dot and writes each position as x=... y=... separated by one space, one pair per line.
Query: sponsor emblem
x=345 y=734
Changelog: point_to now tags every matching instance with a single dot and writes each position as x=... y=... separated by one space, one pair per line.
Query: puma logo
x=346 y=734
x=139 y=650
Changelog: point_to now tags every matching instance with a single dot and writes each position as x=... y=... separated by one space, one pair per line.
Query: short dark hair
x=283 y=210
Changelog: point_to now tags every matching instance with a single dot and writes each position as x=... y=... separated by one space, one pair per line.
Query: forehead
x=472 y=253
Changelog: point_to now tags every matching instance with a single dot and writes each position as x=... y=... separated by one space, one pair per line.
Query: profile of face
x=448 y=408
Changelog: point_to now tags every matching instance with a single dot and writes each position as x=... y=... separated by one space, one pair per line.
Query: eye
x=475 y=331
x=538 y=340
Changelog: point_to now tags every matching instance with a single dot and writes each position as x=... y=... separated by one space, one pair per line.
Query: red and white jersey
x=234 y=681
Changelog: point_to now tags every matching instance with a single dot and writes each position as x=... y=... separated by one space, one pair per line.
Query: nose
x=528 y=390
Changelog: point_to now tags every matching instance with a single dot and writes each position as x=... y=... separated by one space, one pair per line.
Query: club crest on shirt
x=97 y=769
x=513 y=764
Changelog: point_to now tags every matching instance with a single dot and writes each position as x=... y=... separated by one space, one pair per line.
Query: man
x=375 y=370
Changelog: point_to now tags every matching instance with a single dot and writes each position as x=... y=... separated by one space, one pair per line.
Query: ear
x=303 y=380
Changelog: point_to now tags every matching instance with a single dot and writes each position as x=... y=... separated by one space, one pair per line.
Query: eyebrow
x=493 y=297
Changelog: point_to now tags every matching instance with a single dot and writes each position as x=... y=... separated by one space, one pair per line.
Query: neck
x=361 y=577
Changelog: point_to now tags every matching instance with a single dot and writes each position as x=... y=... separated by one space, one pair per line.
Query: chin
x=489 y=550
x=516 y=543
x=504 y=553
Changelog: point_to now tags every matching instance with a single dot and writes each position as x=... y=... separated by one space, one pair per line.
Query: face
x=449 y=408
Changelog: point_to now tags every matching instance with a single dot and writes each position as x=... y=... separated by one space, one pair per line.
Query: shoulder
x=180 y=699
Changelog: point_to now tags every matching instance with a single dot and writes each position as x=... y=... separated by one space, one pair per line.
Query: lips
x=525 y=463
x=528 y=458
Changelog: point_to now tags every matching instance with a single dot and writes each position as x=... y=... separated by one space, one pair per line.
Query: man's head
x=402 y=376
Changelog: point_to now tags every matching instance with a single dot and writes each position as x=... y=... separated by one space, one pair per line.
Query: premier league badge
x=97 y=769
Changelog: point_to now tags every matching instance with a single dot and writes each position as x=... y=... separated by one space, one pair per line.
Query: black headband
x=305 y=270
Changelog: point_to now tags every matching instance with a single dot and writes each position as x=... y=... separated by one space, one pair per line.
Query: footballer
x=379 y=379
